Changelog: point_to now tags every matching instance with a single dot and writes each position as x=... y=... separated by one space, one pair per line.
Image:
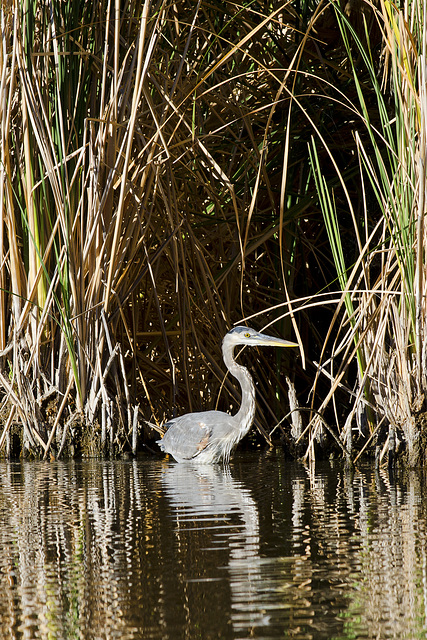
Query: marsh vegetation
x=170 y=169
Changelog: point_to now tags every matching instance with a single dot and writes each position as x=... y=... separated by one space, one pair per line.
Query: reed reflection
x=263 y=549
x=66 y=563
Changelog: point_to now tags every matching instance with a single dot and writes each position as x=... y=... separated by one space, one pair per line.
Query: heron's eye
x=247 y=335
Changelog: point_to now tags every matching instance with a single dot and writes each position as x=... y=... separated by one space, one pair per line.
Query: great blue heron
x=210 y=436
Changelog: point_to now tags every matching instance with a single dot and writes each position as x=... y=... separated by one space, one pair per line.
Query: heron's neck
x=245 y=416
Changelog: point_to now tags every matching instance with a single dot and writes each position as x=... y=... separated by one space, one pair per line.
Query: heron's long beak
x=270 y=341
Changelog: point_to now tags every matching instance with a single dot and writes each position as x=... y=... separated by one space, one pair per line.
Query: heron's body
x=206 y=436
x=210 y=436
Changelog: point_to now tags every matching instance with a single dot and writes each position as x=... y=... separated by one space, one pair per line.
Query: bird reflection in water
x=219 y=506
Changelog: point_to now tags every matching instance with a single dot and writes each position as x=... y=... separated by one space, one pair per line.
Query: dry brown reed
x=157 y=188
x=140 y=217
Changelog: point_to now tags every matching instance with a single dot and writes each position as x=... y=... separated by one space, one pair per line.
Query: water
x=264 y=549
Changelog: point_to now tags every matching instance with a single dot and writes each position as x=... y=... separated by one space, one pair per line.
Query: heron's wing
x=187 y=435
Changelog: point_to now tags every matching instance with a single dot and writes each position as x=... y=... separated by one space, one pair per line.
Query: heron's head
x=250 y=337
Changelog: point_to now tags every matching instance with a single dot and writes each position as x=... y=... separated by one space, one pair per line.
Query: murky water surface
x=263 y=549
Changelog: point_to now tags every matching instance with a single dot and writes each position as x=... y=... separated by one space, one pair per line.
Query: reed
x=169 y=170
x=146 y=208
x=381 y=313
